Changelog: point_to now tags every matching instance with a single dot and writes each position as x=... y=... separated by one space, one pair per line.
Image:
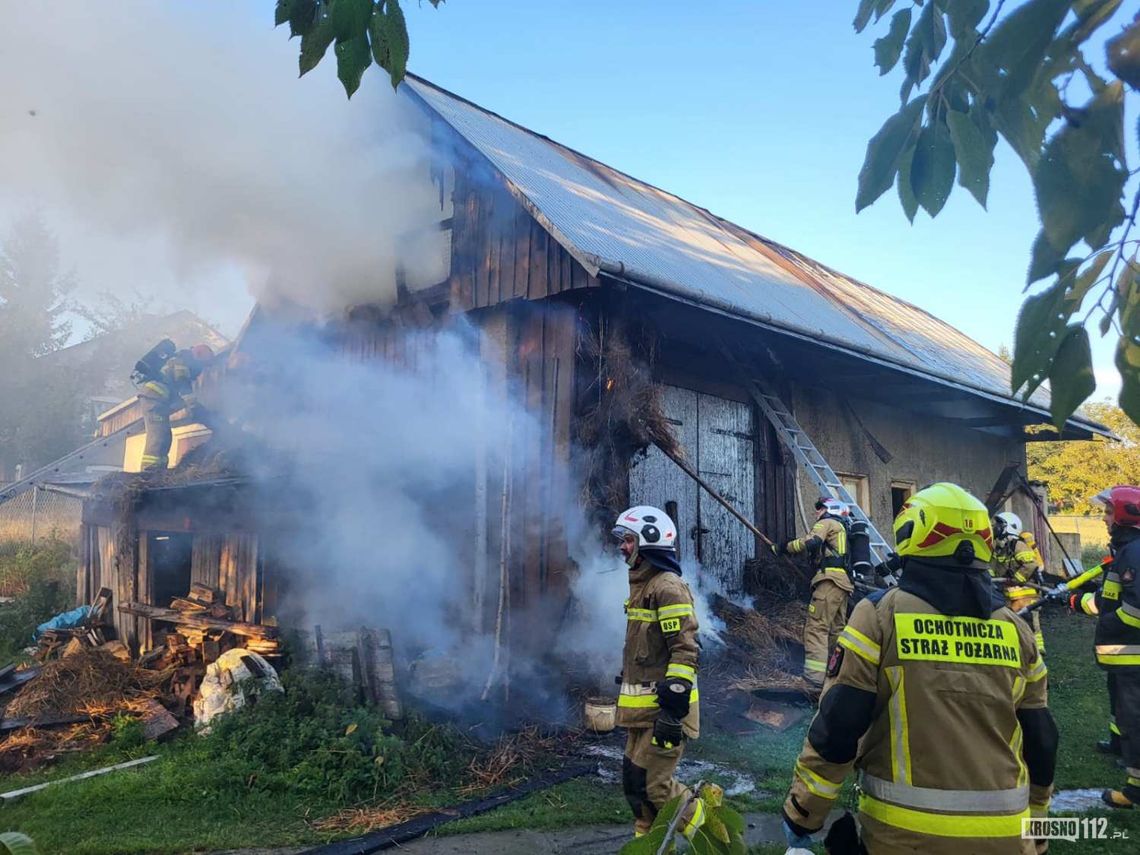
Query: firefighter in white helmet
x=1016 y=565
x=658 y=700
x=831 y=586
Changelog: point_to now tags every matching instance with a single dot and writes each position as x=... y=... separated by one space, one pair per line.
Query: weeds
x=41 y=578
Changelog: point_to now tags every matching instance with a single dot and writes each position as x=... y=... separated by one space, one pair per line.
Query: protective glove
x=779 y=548
x=673 y=696
x=843 y=837
x=1075 y=603
x=667 y=731
x=797 y=837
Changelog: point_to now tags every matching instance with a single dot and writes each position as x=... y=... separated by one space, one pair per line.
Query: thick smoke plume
x=177 y=135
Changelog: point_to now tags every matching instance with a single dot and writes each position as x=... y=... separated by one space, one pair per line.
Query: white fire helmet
x=834 y=507
x=652 y=526
x=1007 y=526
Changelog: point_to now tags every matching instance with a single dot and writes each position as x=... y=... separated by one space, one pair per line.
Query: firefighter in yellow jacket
x=1017 y=563
x=936 y=695
x=831 y=586
x=658 y=699
x=165 y=379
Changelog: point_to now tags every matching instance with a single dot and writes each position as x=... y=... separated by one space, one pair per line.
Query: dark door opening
x=170 y=558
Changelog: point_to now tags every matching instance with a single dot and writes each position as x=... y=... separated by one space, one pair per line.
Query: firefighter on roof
x=658 y=700
x=165 y=379
x=831 y=585
x=1017 y=563
x=1117 y=639
x=936 y=695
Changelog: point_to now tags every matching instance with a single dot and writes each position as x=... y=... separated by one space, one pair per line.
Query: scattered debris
x=15 y=794
x=779 y=717
x=10 y=678
x=72 y=631
x=87 y=682
x=362 y=658
x=511 y=758
x=157 y=720
x=236 y=677
x=365 y=819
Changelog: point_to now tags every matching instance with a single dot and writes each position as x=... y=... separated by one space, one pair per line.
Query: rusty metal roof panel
x=613 y=222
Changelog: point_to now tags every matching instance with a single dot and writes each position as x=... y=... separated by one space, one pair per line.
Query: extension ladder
x=818 y=469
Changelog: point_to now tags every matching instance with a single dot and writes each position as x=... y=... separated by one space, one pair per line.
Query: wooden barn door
x=718 y=436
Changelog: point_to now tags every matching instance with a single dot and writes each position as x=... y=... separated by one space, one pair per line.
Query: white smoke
x=174 y=147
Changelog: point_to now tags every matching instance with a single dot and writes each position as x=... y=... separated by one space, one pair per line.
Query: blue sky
x=759 y=111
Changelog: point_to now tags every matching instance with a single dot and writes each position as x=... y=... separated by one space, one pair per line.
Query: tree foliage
x=39 y=405
x=974 y=72
x=721 y=834
x=1075 y=471
x=359 y=32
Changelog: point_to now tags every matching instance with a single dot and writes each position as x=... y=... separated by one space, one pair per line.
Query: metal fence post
x=35 y=502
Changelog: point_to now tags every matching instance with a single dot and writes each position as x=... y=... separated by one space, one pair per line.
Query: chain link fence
x=38 y=514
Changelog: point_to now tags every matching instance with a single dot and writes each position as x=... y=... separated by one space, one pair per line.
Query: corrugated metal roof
x=611 y=221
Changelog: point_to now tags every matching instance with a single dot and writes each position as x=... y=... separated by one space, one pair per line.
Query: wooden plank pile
x=54 y=643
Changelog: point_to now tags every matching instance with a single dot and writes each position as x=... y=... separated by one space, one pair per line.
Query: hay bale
x=84 y=682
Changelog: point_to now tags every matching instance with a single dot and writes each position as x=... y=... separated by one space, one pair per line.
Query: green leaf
x=15 y=843
x=315 y=42
x=906 y=194
x=732 y=820
x=1078 y=180
x=350 y=18
x=1024 y=120
x=884 y=151
x=1044 y=260
x=390 y=46
x=1071 y=378
x=299 y=13
x=1019 y=42
x=965 y=15
x=1088 y=278
x=1090 y=15
x=1036 y=336
x=974 y=152
x=888 y=49
x=863 y=15
x=281 y=13
x=352 y=58
x=932 y=172
x=916 y=62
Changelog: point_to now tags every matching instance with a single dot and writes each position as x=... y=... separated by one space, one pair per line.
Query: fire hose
x=1061 y=592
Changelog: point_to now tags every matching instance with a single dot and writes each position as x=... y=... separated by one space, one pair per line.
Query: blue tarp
x=65 y=620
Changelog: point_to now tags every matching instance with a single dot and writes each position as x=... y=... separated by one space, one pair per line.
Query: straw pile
x=90 y=682
x=625 y=415
x=757 y=633
x=767 y=676
x=361 y=820
x=513 y=756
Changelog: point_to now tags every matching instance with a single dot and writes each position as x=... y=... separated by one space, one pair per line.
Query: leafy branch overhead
x=359 y=31
x=974 y=72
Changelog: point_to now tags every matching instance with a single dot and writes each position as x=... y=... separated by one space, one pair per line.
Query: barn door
x=718 y=437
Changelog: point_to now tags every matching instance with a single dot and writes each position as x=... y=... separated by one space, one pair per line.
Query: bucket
x=600 y=714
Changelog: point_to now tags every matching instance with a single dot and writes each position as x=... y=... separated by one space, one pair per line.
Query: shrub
x=42 y=579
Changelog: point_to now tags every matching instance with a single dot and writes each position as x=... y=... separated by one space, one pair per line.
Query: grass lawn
x=197 y=799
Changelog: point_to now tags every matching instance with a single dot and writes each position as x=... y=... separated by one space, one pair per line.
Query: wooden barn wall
x=499 y=251
x=531 y=349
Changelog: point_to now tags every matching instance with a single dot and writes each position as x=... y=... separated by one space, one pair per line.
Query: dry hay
x=765 y=676
x=777 y=578
x=28 y=748
x=91 y=682
x=361 y=820
x=508 y=763
x=757 y=633
x=625 y=416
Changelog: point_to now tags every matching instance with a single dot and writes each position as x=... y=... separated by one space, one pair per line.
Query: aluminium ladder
x=817 y=467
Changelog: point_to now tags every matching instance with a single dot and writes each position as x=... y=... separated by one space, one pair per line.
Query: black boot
x=1110 y=745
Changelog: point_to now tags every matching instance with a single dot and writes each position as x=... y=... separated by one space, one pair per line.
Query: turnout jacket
x=1018 y=560
x=944 y=719
x=827 y=544
x=1117 y=606
x=173 y=387
x=660 y=642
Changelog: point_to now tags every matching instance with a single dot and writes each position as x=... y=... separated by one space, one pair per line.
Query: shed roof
x=615 y=224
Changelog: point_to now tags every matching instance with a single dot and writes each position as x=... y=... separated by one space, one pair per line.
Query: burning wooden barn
x=624 y=319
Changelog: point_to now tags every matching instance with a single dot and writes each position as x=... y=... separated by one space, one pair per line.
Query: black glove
x=843 y=837
x=673 y=696
x=667 y=731
x=779 y=548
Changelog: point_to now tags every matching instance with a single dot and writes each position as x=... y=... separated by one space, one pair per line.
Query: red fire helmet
x=1124 y=500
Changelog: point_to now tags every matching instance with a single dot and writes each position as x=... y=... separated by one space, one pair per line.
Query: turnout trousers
x=1125 y=689
x=647 y=780
x=827 y=615
x=156 y=420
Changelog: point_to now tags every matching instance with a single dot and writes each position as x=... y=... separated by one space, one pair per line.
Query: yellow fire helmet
x=943 y=521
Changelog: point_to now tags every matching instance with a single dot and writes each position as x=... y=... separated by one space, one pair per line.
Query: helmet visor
x=620 y=533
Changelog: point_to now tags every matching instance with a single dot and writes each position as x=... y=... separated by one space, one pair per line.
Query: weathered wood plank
x=538 y=284
x=521 y=238
x=174 y=616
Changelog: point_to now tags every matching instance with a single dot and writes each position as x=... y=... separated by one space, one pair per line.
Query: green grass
x=234 y=791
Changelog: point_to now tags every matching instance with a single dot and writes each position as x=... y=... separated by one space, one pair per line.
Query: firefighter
x=936 y=694
x=831 y=586
x=658 y=700
x=165 y=379
x=1117 y=638
x=1017 y=564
